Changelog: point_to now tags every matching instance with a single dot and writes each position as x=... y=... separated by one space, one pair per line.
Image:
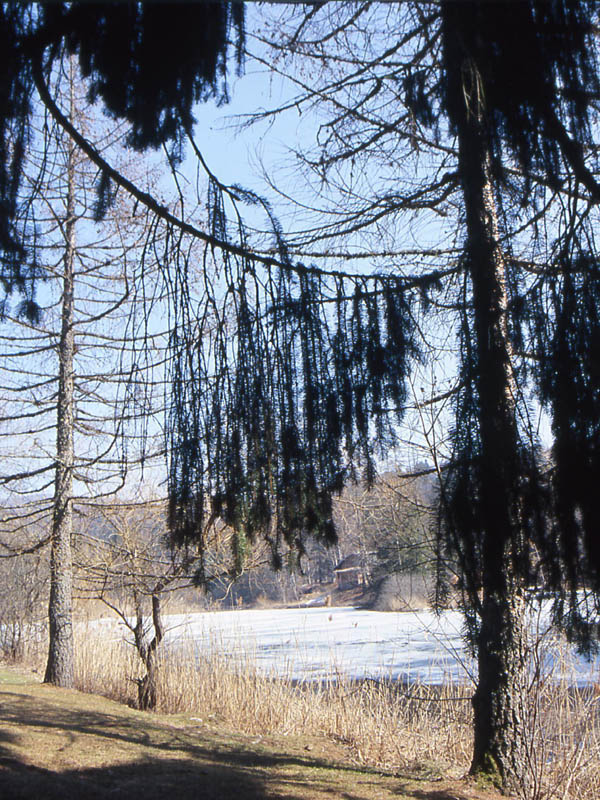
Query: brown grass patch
x=381 y=724
x=65 y=745
x=373 y=725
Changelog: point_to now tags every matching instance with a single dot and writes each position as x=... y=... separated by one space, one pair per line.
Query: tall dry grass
x=563 y=726
x=383 y=724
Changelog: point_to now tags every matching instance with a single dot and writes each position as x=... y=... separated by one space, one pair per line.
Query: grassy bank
x=65 y=745
x=420 y=731
x=381 y=725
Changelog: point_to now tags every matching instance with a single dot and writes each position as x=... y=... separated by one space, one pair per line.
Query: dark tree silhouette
x=304 y=378
x=149 y=63
x=504 y=95
x=517 y=79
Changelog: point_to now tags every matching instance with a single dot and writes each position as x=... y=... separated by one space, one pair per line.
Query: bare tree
x=78 y=369
x=125 y=561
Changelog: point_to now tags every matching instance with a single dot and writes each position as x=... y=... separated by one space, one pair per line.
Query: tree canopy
x=304 y=391
x=271 y=421
x=289 y=373
x=485 y=113
x=148 y=63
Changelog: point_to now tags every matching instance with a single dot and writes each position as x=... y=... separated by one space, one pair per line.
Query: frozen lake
x=317 y=643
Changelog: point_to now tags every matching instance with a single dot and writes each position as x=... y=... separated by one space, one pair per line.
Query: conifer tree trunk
x=59 y=668
x=499 y=699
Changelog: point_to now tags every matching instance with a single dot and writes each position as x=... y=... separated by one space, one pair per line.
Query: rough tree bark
x=499 y=699
x=59 y=668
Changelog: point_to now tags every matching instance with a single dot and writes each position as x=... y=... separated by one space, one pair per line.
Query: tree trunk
x=147 y=689
x=498 y=703
x=59 y=668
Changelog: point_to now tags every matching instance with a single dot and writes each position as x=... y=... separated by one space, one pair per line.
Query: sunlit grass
x=382 y=723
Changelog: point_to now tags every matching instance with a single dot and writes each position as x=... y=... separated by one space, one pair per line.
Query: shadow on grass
x=131 y=756
x=151 y=780
x=54 y=746
x=436 y=794
x=143 y=732
x=168 y=778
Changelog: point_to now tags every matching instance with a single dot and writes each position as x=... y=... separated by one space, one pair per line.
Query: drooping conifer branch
x=216 y=238
x=282 y=388
x=282 y=373
x=118 y=47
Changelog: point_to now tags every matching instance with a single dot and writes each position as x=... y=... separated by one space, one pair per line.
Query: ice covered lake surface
x=326 y=643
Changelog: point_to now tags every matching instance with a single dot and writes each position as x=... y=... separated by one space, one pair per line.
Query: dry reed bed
x=375 y=719
x=563 y=725
x=384 y=724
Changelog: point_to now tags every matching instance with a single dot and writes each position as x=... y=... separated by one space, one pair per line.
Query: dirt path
x=65 y=745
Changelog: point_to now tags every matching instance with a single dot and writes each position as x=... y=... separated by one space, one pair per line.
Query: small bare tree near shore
x=125 y=562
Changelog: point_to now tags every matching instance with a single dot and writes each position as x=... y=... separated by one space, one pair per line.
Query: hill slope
x=62 y=745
